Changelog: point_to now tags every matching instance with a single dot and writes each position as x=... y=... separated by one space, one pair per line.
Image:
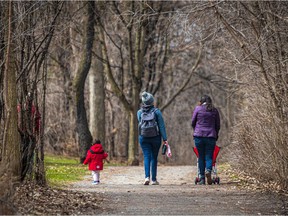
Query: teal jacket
x=159 y=119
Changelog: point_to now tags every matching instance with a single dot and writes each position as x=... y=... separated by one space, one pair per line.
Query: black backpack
x=148 y=126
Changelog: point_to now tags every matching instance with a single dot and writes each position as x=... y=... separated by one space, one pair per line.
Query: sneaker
x=201 y=181
x=95 y=182
x=147 y=181
x=155 y=183
x=208 y=176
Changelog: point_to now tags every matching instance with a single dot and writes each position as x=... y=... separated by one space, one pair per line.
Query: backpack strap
x=153 y=110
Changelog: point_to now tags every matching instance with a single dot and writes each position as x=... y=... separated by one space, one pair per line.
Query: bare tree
x=260 y=31
x=97 y=94
x=85 y=138
x=146 y=46
x=61 y=131
x=33 y=52
x=10 y=163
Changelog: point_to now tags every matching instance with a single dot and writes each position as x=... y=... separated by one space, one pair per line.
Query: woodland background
x=84 y=64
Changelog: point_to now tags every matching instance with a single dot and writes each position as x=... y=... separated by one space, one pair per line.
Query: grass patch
x=224 y=166
x=61 y=170
x=228 y=170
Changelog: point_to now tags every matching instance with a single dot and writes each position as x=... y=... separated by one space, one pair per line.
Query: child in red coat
x=95 y=157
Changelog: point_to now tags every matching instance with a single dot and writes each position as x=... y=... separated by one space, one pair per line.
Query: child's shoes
x=96 y=182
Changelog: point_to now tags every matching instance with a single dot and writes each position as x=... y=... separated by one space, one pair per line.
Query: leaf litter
x=36 y=200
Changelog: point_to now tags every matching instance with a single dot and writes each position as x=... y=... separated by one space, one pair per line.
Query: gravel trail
x=123 y=194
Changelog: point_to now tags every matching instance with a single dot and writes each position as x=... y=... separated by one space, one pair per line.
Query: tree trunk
x=40 y=176
x=85 y=138
x=97 y=96
x=92 y=100
x=11 y=149
x=10 y=164
x=133 y=143
x=2 y=54
x=133 y=150
x=111 y=130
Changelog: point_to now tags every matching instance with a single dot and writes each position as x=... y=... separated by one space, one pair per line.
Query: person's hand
x=164 y=147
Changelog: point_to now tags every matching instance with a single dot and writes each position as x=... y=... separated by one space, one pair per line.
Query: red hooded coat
x=95 y=157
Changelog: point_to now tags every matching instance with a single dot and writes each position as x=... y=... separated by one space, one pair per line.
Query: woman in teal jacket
x=151 y=145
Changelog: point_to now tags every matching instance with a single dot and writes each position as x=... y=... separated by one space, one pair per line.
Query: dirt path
x=124 y=194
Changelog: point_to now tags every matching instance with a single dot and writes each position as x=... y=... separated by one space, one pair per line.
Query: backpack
x=148 y=126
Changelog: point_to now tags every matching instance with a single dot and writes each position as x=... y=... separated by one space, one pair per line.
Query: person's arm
x=105 y=155
x=217 y=123
x=161 y=125
x=139 y=115
x=194 y=118
x=87 y=159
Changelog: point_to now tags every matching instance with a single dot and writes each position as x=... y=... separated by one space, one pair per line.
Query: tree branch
x=185 y=83
x=114 y=85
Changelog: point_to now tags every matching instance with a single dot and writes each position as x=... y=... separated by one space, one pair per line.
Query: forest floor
x=121 y=192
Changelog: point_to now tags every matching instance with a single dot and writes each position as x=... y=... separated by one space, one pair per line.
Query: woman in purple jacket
x=206 y=126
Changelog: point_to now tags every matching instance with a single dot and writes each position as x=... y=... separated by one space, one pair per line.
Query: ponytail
x=208 y=102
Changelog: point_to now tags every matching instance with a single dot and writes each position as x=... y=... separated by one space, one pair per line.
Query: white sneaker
x=155 y=183
x=95 y=182
x=147 y=181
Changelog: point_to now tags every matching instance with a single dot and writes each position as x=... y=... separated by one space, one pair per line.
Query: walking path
x=124 y=194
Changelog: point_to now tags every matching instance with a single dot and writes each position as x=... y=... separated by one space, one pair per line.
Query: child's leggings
x=96 y=175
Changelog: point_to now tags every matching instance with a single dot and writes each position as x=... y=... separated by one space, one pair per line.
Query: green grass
x=60 y=170
x=224 y=166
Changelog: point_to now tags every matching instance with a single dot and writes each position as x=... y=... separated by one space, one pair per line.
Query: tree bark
x=40 y=175
x=85 y=138
x=136 y=70
x=10 y=164
x=97 y=95
x=2 y=54
x=11 y=149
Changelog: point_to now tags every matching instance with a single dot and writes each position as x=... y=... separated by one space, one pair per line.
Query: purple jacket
x=205 y=123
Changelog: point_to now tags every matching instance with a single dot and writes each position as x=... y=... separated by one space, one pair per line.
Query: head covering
x=147 y=98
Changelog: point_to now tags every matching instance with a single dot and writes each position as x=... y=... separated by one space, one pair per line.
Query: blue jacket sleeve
x=161 y=124
x=139 y=115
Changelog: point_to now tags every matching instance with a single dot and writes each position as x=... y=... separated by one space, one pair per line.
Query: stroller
x=215 y=178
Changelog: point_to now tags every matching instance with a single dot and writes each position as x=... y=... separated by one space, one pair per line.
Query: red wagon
x=215 y=178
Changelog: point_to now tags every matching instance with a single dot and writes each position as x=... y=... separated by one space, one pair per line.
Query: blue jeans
x=150 y=147
x=205 y=147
